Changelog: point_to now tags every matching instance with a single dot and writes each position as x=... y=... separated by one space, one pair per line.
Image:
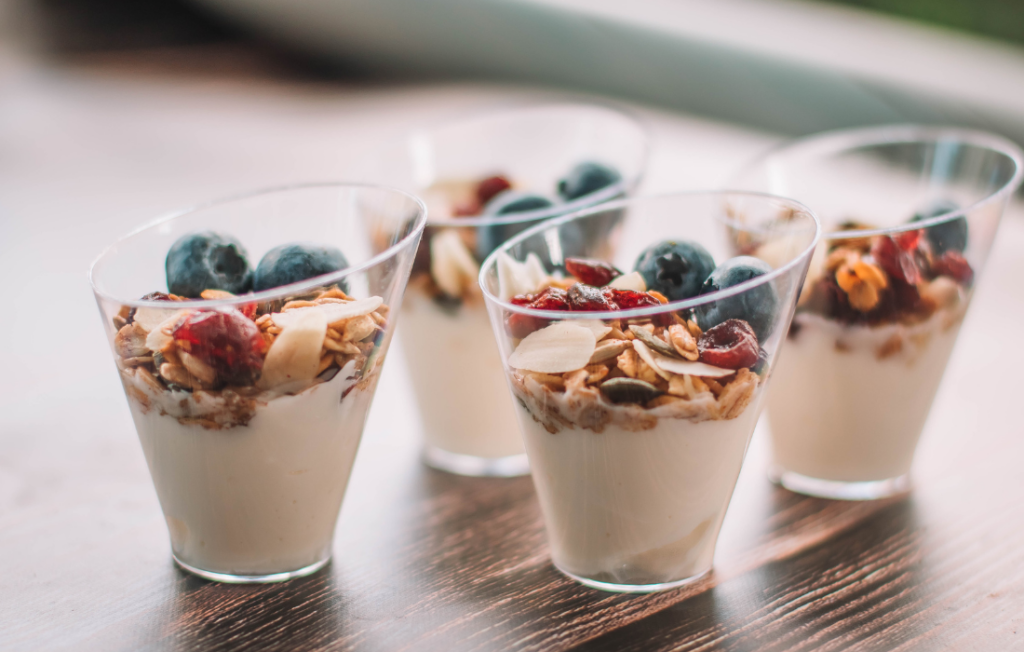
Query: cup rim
x=602 y=195
x=866 y=137
x=671 y=306
x=273 y=293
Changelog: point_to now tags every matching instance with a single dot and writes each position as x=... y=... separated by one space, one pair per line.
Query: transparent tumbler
x=458 y=168
x=909 y=215
x=250 y=406
x=637 y=417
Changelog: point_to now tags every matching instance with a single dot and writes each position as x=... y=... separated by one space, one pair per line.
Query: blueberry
x=207 y=261
x=508 y=202
x=586 y=178
x=511 y=201
x=292 y=263
x=676 y=268
x=946 y=236
x=757 y=306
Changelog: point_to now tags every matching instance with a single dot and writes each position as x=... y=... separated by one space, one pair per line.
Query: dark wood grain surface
x=424 y=560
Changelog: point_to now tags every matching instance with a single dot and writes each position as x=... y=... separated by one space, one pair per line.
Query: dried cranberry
x=522 y=299
x=955 y=266
x=731 y=345
x=491 y=186
x=908 y=240
x=226 y=340
x=591 y=272
x=551 y=299
x=588 y=298
x=520 y=325
x=628 y=299
x=897 y=262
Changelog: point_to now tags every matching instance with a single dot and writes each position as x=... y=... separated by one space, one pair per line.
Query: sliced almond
x=595 y=326
x=332 y=312
x=198 y=368
x=451 y=264
x=647 y=355
x=359 y=328
x=295 y=354
x=150 y=318
x=608 y=349
x=516 y=277
x=160 y=337
x=559 y=348
x=688 y=368
x=633 y=281
x=130 y=341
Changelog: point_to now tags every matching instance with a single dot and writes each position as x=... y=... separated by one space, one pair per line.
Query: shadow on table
x=855 y=586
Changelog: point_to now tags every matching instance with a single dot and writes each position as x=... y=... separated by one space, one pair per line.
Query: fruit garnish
x=198 y=261
x=628 y=299
x=586 y=178
x=520 y=325
x=731 y=344
x=522 y=299
x=551 y=299
x=757 y=306
x=677 y=269
x=293 y=263
x=487 y=189
x=555 y=349
x=955 y=266
x=591 y=272
x=589 y=298
x=944 y=236
x=897 y=262
x=226 y=340
x=908 y=240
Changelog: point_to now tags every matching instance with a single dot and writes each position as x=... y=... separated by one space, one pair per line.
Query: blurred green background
x=998 y=18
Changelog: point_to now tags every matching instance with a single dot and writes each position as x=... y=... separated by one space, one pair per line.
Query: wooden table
x=425 y=560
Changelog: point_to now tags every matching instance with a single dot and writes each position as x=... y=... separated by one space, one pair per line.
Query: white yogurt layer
x=848 y=403
x=637 y=507
x=259 y=498
x=459 y=380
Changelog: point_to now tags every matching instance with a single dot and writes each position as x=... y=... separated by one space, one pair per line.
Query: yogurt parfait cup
x=638 y=368
x=485 y=179
x=249 y=384
x=909 y=215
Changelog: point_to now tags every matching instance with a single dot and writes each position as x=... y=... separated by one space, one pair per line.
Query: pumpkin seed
x=629 y=390
x=653 y=341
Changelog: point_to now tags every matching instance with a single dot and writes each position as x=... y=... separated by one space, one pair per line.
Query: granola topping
x=630 y=373
x=214 y=367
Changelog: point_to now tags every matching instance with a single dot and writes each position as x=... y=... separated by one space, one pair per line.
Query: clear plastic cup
x=884 y=298
x=636 y=421
x=445 y=336
x=250 y=408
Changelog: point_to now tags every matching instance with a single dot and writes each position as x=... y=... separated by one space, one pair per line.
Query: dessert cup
x=885 y=296
x=467 y=422
x=634 y=450
x=250 y=408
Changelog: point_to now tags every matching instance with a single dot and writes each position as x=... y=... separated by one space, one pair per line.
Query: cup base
x=839 y=490
x=229 y=578
x=494 y=467
x=612 y=587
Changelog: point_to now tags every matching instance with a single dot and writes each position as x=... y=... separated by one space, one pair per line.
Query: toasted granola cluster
x=211 y=367
x=885 y=279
